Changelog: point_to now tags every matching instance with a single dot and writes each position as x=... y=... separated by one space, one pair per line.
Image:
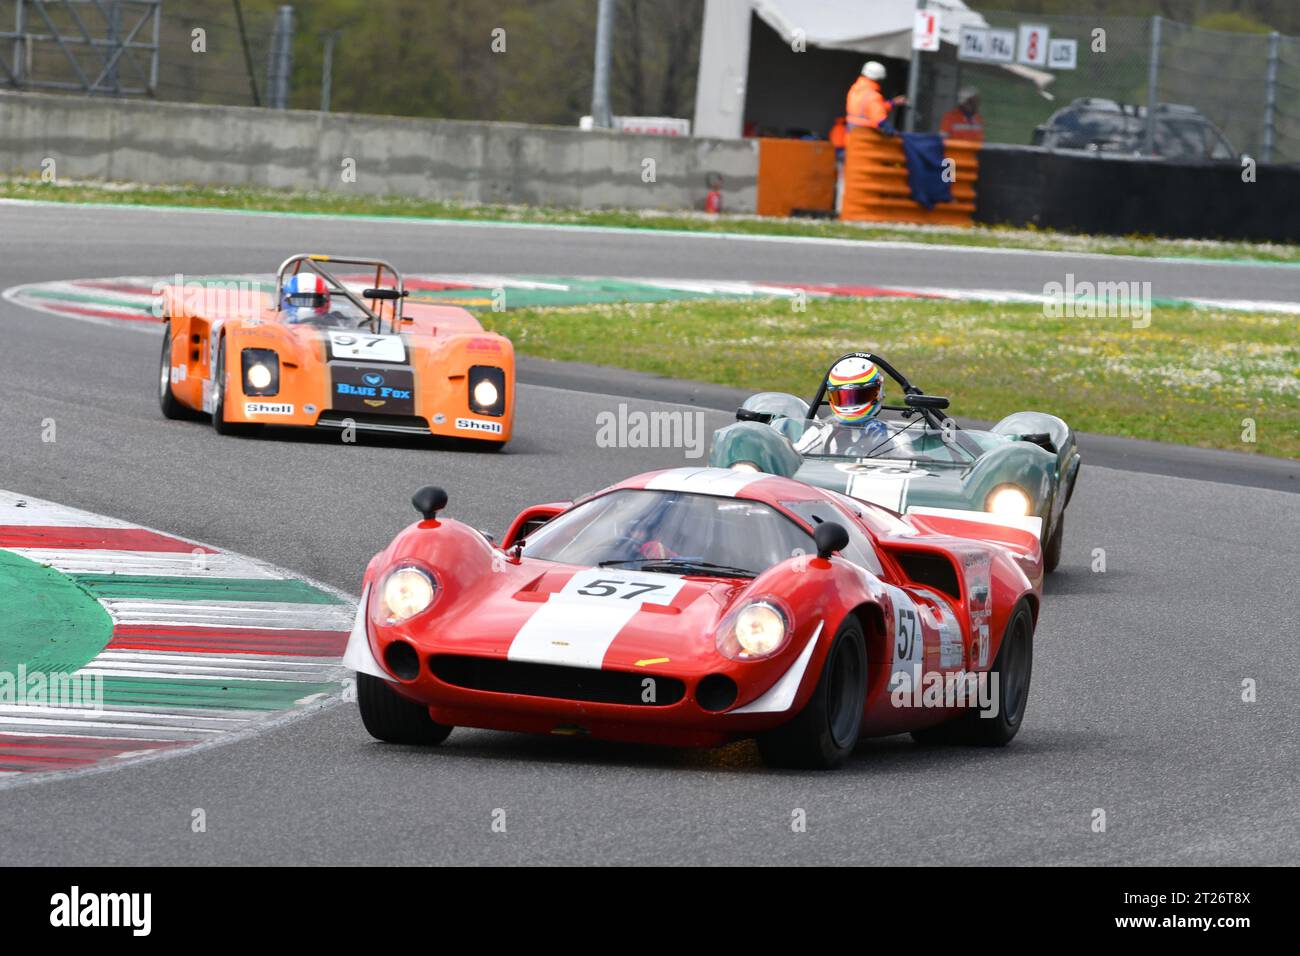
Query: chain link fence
x=220 y=75
x=1246 y=84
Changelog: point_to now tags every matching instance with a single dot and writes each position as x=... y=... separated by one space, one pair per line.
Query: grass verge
x=1192 y=377
x=269 y=200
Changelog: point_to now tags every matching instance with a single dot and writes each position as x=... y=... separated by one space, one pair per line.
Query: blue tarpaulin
x=924 y=152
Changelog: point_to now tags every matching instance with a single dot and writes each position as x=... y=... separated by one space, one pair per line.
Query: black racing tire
x=1052 y=549
x=825 y=732
x=1014 y=667
x=390 y=717
x=220 y=388
x=171 y=406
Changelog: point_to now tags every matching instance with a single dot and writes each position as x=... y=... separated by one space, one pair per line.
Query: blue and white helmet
x=305 y=294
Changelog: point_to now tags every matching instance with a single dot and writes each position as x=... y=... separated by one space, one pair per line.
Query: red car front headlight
x=403 y=593
x=756 y=631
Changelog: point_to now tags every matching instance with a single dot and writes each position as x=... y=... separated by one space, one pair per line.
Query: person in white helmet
x=865 y=106
x=855 y=392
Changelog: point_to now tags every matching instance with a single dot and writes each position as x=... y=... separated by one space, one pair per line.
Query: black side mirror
x=830 y=536
x=749 y=415
x=428 y=501
x=915 y=400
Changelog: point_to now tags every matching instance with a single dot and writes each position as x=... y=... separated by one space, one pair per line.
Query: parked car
x=1107 y=126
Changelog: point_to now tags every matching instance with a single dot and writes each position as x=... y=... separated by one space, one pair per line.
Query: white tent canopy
x=882 y=27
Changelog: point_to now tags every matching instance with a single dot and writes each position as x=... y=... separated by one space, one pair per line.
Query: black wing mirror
x=386 y=295
x=429 y=500
x=925 y=401
x=830 y=536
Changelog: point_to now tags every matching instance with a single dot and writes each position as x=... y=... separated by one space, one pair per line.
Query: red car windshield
x=634 y=525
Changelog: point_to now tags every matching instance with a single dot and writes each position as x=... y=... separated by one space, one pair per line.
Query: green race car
x=1022 y=471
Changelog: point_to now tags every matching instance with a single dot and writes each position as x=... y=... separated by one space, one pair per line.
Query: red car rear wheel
x=1013 y=666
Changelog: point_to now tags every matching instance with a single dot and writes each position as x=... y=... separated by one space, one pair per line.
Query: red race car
x=697 y=606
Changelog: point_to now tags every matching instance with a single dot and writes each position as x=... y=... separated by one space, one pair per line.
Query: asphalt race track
x=1136 y=701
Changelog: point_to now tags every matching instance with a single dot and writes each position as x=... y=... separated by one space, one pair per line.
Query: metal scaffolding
x=82 y=46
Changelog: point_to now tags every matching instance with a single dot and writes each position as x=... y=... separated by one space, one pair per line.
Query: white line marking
x=650 y=233
x=149 y=563
x=319 y=617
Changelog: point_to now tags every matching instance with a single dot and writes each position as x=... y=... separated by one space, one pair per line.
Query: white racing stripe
x=724 y=482
x=577 y=624
x=888 y=491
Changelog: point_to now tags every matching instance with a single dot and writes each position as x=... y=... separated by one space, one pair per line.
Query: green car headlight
x=1007 y=500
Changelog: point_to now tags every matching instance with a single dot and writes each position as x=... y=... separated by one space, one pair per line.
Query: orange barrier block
x=875 y=182
x=795 y=174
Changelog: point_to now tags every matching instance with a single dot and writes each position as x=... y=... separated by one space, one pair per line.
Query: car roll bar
x=396 y=294
x=914 y=400
x=820 y=398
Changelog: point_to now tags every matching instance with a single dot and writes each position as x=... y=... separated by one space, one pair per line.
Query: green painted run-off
x=125 y=587
x=224 y=694
x=47 y=622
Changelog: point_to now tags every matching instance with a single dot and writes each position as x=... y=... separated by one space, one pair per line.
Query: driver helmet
x=305 y=295
x=855 y=389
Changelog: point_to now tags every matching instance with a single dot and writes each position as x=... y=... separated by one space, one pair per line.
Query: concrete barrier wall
x=173 y=143
x=1124 y=195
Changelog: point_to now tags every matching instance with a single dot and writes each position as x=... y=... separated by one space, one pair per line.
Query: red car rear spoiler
x=1021 y=534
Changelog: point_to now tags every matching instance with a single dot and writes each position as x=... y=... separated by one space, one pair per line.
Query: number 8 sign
x=1032 y=48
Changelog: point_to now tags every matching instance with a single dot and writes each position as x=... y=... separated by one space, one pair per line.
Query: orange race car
x=322 y=354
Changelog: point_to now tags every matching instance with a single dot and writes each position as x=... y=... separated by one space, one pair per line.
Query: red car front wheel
x=390 y=717
x=826 y=730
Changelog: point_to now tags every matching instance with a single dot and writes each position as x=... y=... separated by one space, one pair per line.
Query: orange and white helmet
x=855 y=389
